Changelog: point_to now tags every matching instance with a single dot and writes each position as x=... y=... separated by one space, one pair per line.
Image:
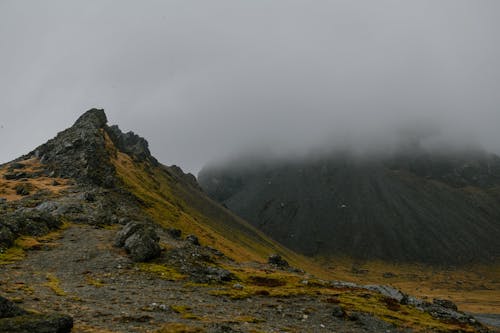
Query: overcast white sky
x=202 y=80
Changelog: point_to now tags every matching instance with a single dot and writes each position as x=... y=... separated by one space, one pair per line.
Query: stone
x=22 y=189
x=9 y=309
x=6 y=237
x=174 y=233
x=445 y=303
x=128 y=230
x=338 y=311
x=193 y=240
x=387 y=291
x=89 y=196
x=39 y=323
x=143 y=245
x=278 y=261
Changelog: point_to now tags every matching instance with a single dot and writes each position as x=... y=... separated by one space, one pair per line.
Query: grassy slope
x=473 y=288
x=173 y=202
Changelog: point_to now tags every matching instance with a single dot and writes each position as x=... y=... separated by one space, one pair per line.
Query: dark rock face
x=139 y=240
x=410 y=207
x=13 y=319
x=80 y=151
x=131 y=143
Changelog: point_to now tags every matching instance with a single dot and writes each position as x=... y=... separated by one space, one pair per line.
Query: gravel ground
x=104 y=291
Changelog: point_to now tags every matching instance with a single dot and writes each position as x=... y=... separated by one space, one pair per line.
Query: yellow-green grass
x=172 y=202
x=162 y=271
x=54 y=284
x=474 y=288
x=25 y=243
x=179 y=328
x=257 y=283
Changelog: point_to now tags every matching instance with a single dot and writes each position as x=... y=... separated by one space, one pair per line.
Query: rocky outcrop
x=131 y=143
x=277 y=261
x=139 y=240
x=80 y=151
x=13 y=319
x=25 y=221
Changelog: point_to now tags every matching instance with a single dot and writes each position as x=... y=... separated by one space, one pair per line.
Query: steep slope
x=409 y=207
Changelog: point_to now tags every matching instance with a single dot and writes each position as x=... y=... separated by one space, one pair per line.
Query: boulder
x=278 y=261
x=139 y=240
x=6 y=237
x=143 y=245
x=193 y=240
x=445 y=303
x=39 y=323
x=174 y=233
x=128 y=230
x=387 y=291
x=9 y=309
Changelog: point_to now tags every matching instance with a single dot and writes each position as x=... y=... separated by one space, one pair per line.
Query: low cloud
x=206 y=80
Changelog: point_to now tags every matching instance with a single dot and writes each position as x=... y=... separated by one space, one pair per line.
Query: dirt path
x=98 y=285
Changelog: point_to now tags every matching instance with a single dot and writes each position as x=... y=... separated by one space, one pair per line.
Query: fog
x=204 y=80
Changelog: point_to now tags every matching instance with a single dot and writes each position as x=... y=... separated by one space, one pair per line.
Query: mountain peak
x=92 y=118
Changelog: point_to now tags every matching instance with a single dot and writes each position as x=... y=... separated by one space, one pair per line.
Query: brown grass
x=8 y=187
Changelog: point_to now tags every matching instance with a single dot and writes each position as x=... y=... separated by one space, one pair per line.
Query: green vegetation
x=164 y=272
x=172 y=201
x=11 y=255
x=179 y=328
x=54 y=284
x=184 y=311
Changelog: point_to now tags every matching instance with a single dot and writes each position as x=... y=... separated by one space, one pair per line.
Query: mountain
x=96 y=235
x=410 y=206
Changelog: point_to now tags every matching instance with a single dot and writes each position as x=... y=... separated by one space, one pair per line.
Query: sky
x=204 y=80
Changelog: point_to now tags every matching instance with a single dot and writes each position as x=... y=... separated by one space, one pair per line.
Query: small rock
x=237 y=286
x=278 y=261
x=388 y=275
x=9 y=309
x=445 y=303
x=193 y=239
x=22 y=189
x=89 y=197
x=174 y=233
x=338 y=311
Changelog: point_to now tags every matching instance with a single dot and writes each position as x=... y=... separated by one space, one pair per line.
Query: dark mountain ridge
x=411 y=206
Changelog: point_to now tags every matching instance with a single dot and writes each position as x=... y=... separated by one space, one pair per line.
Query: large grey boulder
x=139 y=240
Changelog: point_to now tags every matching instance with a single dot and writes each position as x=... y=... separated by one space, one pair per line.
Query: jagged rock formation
x=410 y=207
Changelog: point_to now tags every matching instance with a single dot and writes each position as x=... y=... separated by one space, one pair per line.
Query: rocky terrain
x=97 y=236
x=413 y=206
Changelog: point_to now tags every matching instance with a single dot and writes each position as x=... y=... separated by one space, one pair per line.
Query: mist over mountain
x=206 y=81
x=413 y=204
